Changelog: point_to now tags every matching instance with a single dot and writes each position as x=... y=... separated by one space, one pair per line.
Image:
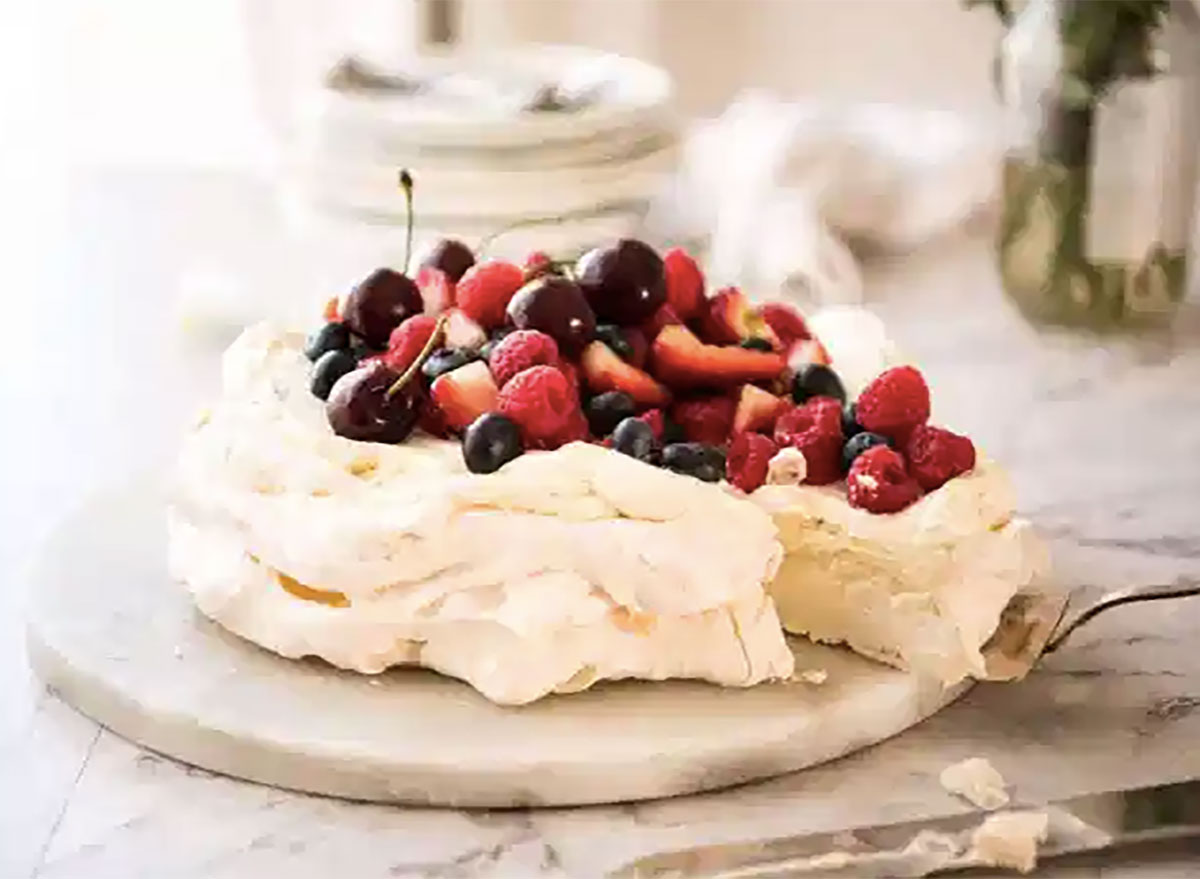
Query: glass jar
x=1103 y=116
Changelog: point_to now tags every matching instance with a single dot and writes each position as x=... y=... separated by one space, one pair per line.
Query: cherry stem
x=430 y=344
x=406 y=183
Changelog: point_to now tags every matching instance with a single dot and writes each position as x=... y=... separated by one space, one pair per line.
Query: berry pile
x=624 y=348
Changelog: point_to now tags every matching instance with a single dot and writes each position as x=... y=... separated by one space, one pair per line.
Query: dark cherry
x=360 y=408
x=491 y=441
x=605 y=411
x=380 y=303
x=330 y=367
x=557 y=307
x=452 y=257
x=624 y=282
x=332 y=336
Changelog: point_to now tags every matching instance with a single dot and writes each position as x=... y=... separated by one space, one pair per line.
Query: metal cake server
x=920 y=848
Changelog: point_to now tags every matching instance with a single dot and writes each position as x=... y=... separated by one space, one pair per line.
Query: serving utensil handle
x=1182 y=587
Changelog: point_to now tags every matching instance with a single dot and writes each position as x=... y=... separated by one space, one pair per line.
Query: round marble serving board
x=122 y=643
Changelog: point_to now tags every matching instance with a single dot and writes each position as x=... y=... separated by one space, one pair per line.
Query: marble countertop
x=1103 y=442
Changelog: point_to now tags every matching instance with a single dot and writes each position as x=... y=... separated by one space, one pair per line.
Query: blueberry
x=330 y=337
x=754 y=343
x=446 y=360
x=486 y=351
x=605 y=411
x=635 y=438
x=329 y=367
x=850 y=425
x=817 y=380
x=611 y=335
x=490 y=442
x=706 y=463
x=858 y=444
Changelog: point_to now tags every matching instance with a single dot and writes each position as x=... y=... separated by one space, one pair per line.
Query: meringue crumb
x=1009 y=839
x=178 y=651
x=362 y=467
x=977 y=781
x=787 y=467
x=811 y=676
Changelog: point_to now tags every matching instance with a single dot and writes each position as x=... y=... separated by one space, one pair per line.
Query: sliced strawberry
x=604 y=371
x=680 y=360
x=729 y=318
x=333 y=309
x=464 y=394
x=685 y=283
x=437 y=290
x=808 y=351
x=757 y=410
x=664 y=317
x=462 y=331
x=785 y=323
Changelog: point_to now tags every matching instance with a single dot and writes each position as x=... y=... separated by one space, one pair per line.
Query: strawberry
x=685 y=283
x=333 y=309
x=463 y=394
x=785 y=323
x=808 y=351
x=462 y=332
x=705 y=420
x=681 y=360
x=727 y=318
x=485 y=289
x=664 y=317
x=757 y=410
x=437 y=290
x=407 y=341
x=604 y=371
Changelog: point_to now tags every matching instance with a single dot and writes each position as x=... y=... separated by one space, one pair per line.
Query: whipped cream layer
x=561 y=569
x=922 y=588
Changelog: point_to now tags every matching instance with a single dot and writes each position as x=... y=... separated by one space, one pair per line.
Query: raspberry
x=536 y=264
x=879 y=483
x=707 y=420
x=520 y=350
x=816 y=430
x=748 y=460
x=407 y=340
x=485 y=289
x=894 y=403
x=936 y=455
x=576 y=429
x=570 y=370
x=656 y=420
x=542 y=402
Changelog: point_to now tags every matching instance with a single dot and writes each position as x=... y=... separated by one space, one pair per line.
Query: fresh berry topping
x=685 y=283
x=437 y=290
x=542 y=402
x=451 y=257
x=681 y=360
x=462 y=331
x=329 y=367
x=858 y=444
x=894 y=403
x=879 y=483
x=490 y=442
x=332 y=312
x=520 y=350
x=536 y=264
x=706 y=463
x=727 y=318
x=787 y=467
x=635 y=438
x=816 y=380
x=785 y=323
x=464 y=394
x=605 y=371
x=936 y=455
x=757 y=343
x=447 y=360
x=808 y=351
x=612 y=336
x=850 y=425
x=557 y=307
x=623 y=282
x=380 y=303
x=657 y=422
x=570 y=370
x=363 y=406
x=664 y=317
x=484 y=292
x=328 y=337
x=362 y=351
x=605 y=411
x=749 y=459
x=707 y=420
x=757 y=410
x=408 y=340
x=495 y=338
x=576 y=430
x=815 y=429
